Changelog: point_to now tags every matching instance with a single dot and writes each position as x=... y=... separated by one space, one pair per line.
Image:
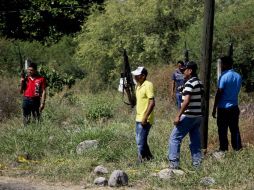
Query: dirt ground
x=11 y=183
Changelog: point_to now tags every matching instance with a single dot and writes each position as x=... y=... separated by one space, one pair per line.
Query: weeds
x=66 y=123
x=10 y=104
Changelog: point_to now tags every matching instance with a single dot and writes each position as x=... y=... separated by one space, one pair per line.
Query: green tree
x=233 y=23
x=147 y=29
x=41 y=19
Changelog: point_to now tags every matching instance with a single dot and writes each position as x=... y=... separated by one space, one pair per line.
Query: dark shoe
x=173 y=166
x=196 y=165
x=148 y=158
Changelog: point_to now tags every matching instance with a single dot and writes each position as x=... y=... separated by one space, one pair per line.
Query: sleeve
x=150 y=91
x=221 y=82
x=173 y=77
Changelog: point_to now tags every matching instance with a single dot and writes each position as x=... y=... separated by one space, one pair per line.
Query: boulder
x=100 y=170
x=100 y=181
x=118 y=178
x=86 y=145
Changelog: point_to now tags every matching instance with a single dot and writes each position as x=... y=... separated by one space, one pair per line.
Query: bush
x=9 y=98
x=98 y=109
x=144 y=28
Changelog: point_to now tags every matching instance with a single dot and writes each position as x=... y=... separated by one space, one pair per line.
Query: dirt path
x=11 y=183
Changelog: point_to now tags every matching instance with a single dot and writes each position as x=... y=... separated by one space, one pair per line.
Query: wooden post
x=205 y=67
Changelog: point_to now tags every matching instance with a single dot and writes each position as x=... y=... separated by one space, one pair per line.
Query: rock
x=154 y=174
x=15 y=164
x=100 y=181
x=65 y=123
x=219 y=155
x=118 y=178
x=51 y=138
x=100 y=170
x=178 y=172
x=169 y=173
x=207 y=181
x=86 y=145
x=165 y=173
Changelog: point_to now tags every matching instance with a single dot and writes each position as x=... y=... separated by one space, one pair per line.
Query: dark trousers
x=31 y=107
x=229 y=118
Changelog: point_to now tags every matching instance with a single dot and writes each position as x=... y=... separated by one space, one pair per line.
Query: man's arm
x=184 y=106
x=43 y=99
x=173 y=89
x=148 y=111
x=216 y=101
x=22 y=85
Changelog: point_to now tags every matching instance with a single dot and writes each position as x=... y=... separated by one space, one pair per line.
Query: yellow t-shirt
x=143 y=94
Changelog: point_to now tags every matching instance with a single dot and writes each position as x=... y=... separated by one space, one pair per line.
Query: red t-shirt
x=34 y=86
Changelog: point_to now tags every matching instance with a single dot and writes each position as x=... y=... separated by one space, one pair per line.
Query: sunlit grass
x=52 y=147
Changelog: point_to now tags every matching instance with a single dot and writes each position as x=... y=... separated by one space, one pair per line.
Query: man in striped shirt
x=188 y=119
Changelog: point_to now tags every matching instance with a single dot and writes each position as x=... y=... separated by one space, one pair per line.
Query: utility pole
x=205 y=67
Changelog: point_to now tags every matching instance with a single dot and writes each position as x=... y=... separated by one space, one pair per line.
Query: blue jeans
x=178 y=100
x=185 y=126
x=141 y=140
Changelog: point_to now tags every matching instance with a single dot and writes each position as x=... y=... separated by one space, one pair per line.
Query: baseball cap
x=191 y=65
x=139 y=71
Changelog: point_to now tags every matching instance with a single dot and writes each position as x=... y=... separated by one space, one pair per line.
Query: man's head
x=180 y=65
x=226 y=63
x=190 y=69
x=140 y=74
x=31 y=69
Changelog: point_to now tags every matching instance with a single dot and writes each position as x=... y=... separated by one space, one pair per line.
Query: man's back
x=230 y=82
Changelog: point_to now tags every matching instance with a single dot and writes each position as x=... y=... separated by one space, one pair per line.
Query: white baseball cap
x=139 y=71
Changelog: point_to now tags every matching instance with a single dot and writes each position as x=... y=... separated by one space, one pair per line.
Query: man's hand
x=177 y=120
x=144 y=122
x=41 y=107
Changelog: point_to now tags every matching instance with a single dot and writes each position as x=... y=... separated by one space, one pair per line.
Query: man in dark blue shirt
x=178 y=82
x=226 y=103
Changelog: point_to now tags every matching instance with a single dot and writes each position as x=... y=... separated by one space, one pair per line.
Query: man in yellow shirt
x=144 y=115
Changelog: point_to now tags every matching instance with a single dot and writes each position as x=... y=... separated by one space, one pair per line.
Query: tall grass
x=66 y=123
x=10 y=103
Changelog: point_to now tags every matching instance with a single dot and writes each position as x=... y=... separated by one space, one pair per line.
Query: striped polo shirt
x=195 y=89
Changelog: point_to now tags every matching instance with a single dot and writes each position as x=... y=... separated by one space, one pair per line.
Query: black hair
x=227 y=60
x=193 y=66
x=32 y=64
x=144 y=72
x=180 y=62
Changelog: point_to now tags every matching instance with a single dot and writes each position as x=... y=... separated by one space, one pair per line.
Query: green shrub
x=10 y=104
x=98 y=109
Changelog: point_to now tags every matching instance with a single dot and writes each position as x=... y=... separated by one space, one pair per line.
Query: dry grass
x=9 y=98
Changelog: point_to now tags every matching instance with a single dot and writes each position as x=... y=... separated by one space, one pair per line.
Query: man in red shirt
x=33 y=88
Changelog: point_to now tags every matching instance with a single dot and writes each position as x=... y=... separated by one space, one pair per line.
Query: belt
x=32 y=98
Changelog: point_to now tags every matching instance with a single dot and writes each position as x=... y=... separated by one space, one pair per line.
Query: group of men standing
x=188 y=91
